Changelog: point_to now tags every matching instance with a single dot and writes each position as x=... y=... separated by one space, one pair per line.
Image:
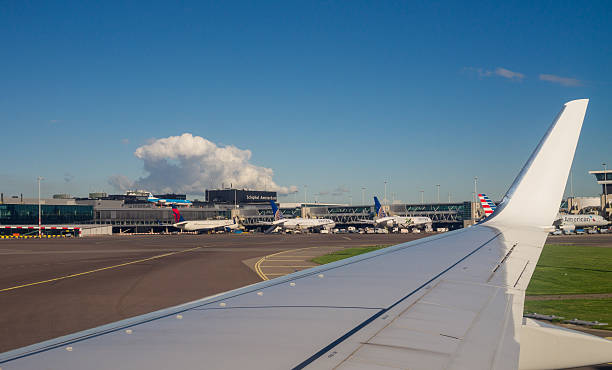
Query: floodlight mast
x=39 y=213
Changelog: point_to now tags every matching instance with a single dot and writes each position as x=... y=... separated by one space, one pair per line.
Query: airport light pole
x=305 y=192
x=385 y=200
x=438 y=188
x=422 y=196
x=449 y=197
x=363 y=196
x=39 y=213
x=605 y=177
x=475 y=188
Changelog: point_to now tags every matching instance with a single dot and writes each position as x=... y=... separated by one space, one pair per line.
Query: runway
x=53 y=287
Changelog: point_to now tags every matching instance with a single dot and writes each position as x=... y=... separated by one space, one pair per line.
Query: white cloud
x=479 y=71
x=189 y=164
x=565 y=81
x=499 y=71
x=120 y=182
x=503 y=72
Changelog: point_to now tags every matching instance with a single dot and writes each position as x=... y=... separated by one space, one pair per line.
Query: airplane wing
x=450 y=301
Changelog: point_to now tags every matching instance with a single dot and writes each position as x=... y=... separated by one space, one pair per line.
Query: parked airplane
x=162 y=201
x=450 y=301
x=571 y=222
x=407 y=222
x=487 y=204
x=202 y=225
x=298 y=223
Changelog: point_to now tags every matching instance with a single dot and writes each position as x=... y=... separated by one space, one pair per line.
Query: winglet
x=535 y=195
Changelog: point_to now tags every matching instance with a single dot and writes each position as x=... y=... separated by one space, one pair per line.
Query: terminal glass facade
x=27 y=214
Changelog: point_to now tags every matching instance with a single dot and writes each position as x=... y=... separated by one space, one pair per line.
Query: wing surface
x=450 y=301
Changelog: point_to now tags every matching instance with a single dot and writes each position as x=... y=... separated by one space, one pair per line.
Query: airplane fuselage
x=305 y=223
x=580 y=221
x=403 y=221
x=203 y=225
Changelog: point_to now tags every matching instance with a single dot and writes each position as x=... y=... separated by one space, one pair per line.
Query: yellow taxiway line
x=97 y=270
x=257 y=266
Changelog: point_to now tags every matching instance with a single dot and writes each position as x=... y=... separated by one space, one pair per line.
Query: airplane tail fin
x=177 y=214
x=277 y=213
x=380 y=212
x=535 y=195
x=486 y=204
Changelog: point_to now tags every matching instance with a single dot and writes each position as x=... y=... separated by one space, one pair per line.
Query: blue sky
x=335 y=95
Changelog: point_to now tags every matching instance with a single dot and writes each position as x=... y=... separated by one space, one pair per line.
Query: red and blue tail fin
x=488 y=206
x=380 y=212
x=277 y=213
x=177 y=214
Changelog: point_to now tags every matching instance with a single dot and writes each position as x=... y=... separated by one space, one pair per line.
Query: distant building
x=239 y=196
x=604 y=178
x=52 y=214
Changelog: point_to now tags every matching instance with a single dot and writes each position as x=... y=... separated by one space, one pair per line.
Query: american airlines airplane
x=571 y=222
x=202 y=225
x=487 y=205
x=298 y=223
x=382 y=219
x=449 y=301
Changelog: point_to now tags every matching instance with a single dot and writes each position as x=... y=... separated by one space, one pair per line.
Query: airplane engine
x=568 y=227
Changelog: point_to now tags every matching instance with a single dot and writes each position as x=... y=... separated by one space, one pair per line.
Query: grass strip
x=567 y=269
x=345 y=253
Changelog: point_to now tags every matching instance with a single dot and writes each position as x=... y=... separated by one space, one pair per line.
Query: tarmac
x=53 y=287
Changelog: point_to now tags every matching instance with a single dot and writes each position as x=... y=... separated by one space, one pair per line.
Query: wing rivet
x=179 y=316
x=69 y=349
x=260 y=293
x=222 y=304
x=291 y=284
x=321 y=276
x=129 y=331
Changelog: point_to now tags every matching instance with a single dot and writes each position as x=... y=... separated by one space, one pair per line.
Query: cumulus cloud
x=499 y=71
x=120 y=182
x=189 y=164
x=565 y=81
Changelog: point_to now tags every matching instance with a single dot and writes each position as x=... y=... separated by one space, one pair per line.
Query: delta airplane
x=383 y=219
x=298 y=223
x=202 y=225
x=448 y=301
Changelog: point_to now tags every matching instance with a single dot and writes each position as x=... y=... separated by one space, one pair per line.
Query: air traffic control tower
x=604 y=178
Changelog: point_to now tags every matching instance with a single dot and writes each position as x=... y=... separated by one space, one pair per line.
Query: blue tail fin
x=177 y=214
x=277 y=213
x=380 y=212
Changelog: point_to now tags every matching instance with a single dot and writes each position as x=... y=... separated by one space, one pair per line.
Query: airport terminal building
x=134 y=214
